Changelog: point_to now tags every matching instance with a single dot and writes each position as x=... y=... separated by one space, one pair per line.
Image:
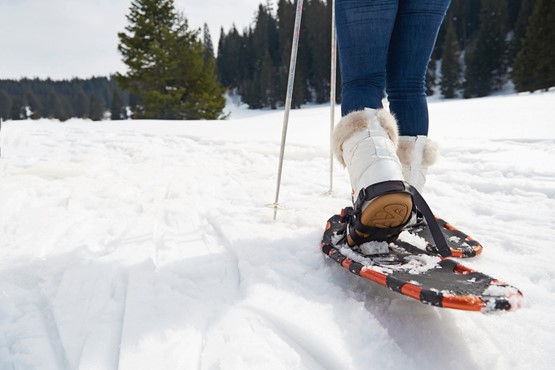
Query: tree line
x=486 y=44
x=95 y=98
x=170 y=75
x=482 y=46
x=254 y=63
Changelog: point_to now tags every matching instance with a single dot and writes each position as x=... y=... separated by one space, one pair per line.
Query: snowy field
x=147 y=245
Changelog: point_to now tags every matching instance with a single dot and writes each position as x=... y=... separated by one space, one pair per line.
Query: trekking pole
x=333 y=79
x=289 y=97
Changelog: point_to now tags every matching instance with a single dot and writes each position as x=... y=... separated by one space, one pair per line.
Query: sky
x=62 y=39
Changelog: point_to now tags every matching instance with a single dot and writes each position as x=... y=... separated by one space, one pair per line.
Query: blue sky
x=78 y=38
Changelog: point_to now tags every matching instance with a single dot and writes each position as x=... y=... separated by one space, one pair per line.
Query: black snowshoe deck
x=419 y=273
x=461 y=244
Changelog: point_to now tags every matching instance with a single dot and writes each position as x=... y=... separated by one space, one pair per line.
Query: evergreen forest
x=483 y=46
x=96 y=98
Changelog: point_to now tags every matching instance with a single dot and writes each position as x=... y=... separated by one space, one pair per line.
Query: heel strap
x=390 y=234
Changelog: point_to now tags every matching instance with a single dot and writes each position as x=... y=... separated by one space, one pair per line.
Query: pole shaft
x=289 y=96
x=333 y=79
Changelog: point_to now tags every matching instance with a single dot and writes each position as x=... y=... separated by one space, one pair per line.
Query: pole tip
x=275 y=206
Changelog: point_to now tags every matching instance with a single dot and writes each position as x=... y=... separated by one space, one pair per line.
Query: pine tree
x=534 y=67
x=67 y=109
x=17 y=108
x=96 y=112
x=166 y=66
x=116 y=107
x=208 y=46
x=431 y=76
x=450 y=68
x=266 y=83
x=54 y=108
x=486 y=59
x=81 y=104
x=228 y=58
x=222 y=58
x=465 y=15
x=263 y=47
x=524 y=12
x=5 y=106
x=34 y=104
x=317 y=58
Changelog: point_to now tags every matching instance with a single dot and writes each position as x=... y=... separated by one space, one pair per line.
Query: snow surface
x=147 y=245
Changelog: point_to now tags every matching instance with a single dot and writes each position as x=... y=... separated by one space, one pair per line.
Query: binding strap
x=391 y=233
x=435 y=230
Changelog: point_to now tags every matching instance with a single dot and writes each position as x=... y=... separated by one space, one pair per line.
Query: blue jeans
x=386 y=44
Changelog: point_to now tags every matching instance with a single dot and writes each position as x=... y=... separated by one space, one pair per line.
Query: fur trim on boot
x=358 y=121
x=416 y=154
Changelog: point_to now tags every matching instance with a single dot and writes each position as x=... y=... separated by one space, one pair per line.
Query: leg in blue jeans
x=388 y=41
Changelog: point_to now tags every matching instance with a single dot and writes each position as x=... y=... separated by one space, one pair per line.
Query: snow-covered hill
x=147 y=245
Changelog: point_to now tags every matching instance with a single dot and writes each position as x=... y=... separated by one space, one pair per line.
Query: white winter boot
x=366 y=142
x=416 y=154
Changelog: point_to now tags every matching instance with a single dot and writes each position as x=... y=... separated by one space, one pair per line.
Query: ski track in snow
x=148 y=245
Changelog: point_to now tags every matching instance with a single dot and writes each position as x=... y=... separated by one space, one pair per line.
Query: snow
x=372 y=248
x=148 y=245
x=413 y=239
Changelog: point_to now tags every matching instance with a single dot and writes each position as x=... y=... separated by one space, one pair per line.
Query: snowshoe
x=418 y=271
